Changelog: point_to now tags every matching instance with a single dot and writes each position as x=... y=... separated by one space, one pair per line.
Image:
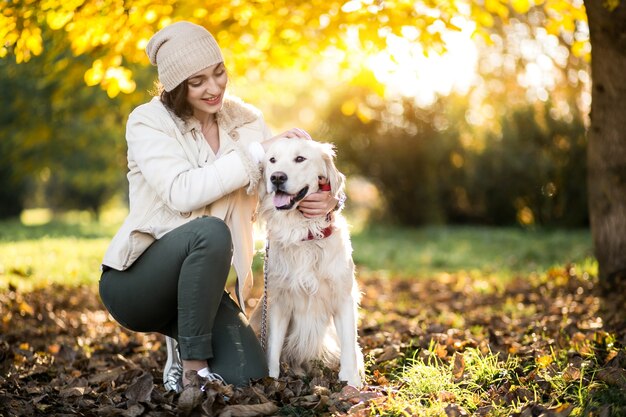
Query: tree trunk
x=607 y=147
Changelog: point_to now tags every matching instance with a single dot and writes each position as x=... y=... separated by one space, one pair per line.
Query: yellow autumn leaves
x=258 y=34
x=113 y=77
x=19 y=32
x=117 y=28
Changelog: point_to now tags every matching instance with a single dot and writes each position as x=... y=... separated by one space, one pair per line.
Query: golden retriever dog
x=312 y=294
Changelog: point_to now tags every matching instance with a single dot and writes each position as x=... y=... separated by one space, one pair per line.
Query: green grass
x=480 y=250
x=40 y=249
x=489 y=384
x=429 y=385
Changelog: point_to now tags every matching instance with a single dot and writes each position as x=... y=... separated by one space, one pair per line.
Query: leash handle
x=264 y=307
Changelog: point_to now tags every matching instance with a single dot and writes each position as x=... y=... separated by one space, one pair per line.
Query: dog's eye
x=272 y=160
x=300 y=159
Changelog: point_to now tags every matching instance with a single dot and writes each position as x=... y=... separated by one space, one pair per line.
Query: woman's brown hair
x=176 y=100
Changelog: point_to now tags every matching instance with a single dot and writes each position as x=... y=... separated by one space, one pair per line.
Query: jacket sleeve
x=250 y=163
x=165 y=166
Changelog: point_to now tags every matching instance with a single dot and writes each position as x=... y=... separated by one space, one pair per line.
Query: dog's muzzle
x=282 y=199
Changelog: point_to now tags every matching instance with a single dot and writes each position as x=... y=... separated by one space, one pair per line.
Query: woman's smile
x=212 y=101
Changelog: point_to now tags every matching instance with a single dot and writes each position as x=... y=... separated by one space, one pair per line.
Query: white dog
x=312 y=294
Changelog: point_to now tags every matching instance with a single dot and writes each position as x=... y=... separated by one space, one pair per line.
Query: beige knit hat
x=180 y=50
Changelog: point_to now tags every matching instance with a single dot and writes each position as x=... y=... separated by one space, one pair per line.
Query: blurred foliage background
x=443 y=112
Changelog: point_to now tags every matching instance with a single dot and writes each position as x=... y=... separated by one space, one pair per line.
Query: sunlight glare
x=405 y=70
x=543 y=55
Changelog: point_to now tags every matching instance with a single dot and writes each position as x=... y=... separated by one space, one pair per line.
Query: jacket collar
x=234 y=114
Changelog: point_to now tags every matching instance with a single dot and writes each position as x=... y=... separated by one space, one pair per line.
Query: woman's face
x=206 y=90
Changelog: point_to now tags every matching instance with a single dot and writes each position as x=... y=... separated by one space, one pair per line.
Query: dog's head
x=294 y=167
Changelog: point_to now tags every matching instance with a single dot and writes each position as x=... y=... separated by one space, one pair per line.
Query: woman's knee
x=213 y=228
x=213 y=231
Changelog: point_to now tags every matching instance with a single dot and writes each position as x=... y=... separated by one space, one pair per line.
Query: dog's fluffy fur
x=312 y=292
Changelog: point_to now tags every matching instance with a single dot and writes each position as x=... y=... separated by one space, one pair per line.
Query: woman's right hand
x=291 y=133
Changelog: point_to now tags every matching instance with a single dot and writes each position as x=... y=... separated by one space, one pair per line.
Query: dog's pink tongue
x=281 y=199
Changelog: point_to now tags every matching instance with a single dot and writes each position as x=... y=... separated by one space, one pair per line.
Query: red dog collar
x=326 y=231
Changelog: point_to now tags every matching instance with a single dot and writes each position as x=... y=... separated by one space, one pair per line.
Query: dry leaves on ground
x=62 y=354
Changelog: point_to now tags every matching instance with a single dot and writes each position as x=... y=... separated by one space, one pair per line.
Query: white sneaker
x=210 y=376
x=173 y=370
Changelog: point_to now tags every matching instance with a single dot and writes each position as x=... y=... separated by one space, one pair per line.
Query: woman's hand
x=291 y=133
x=318 y=204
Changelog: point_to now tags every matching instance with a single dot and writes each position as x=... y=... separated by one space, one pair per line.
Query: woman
x=193 y=159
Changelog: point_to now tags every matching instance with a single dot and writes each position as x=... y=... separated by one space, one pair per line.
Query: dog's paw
x=353 y=378
x=274 y=372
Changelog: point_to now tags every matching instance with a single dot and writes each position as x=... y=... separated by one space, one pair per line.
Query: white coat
x=174 y=177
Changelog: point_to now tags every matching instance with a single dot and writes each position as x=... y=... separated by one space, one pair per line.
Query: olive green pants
x=176 y=288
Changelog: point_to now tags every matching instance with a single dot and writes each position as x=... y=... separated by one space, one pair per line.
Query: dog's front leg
x=351 y=359
x=278 y=322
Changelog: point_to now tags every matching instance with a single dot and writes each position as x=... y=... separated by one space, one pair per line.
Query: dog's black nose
x=278 y=178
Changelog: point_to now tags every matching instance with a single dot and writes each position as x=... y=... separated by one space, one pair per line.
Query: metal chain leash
x=264 y=307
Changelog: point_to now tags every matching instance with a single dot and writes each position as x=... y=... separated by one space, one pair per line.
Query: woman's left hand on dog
x=318 y=204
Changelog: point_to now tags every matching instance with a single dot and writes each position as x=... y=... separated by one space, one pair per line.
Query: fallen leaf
x=571 y=373
x=72 y=392
x=189 y=399
x=453 y=410
x=133 y=409
x=458 y=365
x=389 y=353
x=563 y=410
x=613 y=376
x=141 y=389
x=446 y=396
x=249 y=410
x=544 y=361
x=108 y=375
x=348 y=392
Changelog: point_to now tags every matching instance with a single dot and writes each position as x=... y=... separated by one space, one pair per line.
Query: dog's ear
x=262 y=208
x=262 y=187
x=335 y=178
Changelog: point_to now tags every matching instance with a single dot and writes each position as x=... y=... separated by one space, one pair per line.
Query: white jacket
x=174 y=177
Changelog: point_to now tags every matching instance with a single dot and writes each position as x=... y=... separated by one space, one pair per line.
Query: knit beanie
x=180 y=50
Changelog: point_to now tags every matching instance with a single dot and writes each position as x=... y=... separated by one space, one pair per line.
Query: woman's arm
x=167 y=168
